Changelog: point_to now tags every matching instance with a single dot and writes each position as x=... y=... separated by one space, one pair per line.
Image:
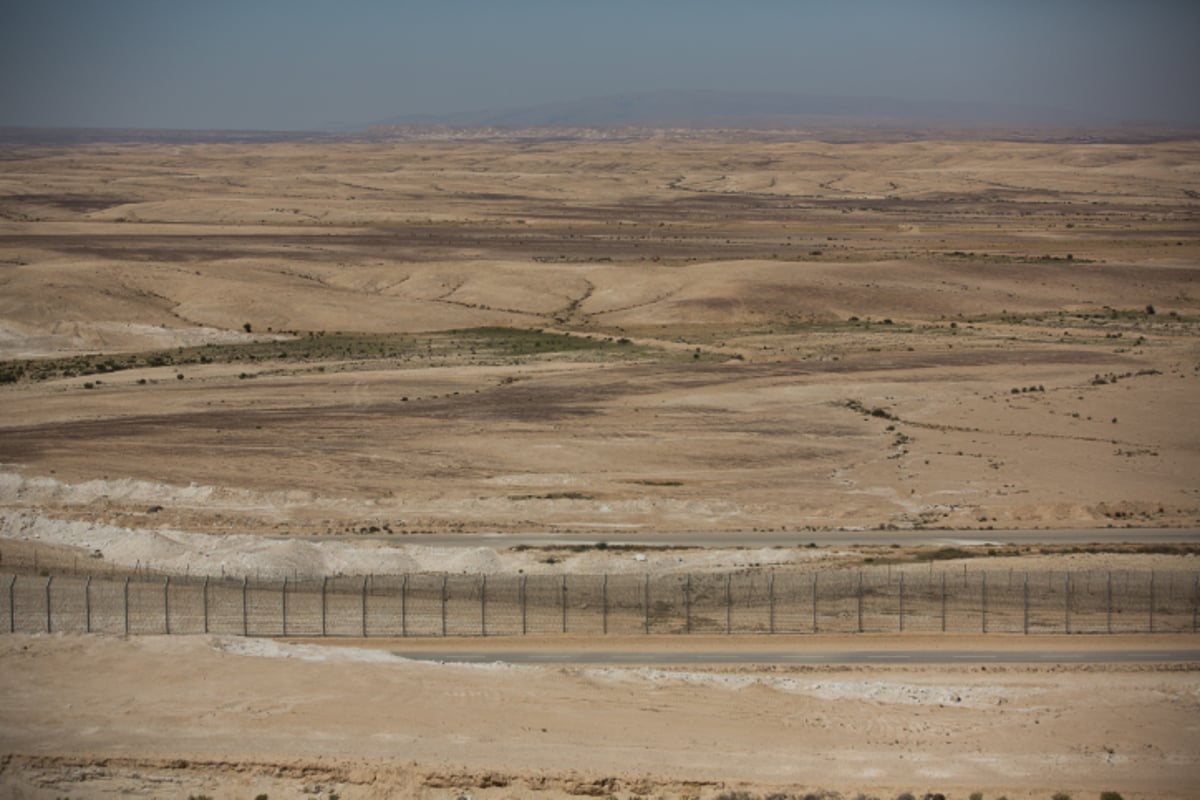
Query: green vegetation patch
x=1002 y=258
x=946 y=554
x=489 y=345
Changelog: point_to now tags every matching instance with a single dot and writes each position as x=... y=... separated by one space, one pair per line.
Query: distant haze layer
x=275 y=65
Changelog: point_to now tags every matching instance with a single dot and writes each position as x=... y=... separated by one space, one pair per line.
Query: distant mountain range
x=688 y=114
x=720 y=109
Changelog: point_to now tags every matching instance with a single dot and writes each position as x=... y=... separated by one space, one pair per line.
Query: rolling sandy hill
x=915 y=334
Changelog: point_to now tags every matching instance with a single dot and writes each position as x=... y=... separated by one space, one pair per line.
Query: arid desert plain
x=296 y=359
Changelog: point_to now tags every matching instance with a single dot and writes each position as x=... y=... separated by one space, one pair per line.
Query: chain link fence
x=871 y=601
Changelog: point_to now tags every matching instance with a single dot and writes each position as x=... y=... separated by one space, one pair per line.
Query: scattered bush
x=946 y=554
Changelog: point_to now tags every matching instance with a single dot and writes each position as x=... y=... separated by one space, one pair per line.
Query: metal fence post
x=324 y=586
x=1108 y=603
x=1152 y=601
x=483 y=605
x=983 y=600
x=814 y=602
x=49 y=580
x=1025 y=603
x=167 y=605
x=404 y=606
x=87 y=603
x=444 y=605
x=364 y=608
x=771 y=603
x=1067 y=604
x=1195 y=602
x=728 y=604
x=604 y=604
x=902 y=602
x=204 y=602
x=943 y=601
x=245 y=609
x=859 y=593
x=126 y=596
x=283 y=609
x=564 y=603
x=687 y=604
x=646 y=603
x=12 y=605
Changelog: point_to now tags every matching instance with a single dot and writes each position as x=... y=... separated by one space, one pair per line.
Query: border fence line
x=872 y=600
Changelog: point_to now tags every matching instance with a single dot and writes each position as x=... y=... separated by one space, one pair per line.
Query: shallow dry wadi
x=371 y=340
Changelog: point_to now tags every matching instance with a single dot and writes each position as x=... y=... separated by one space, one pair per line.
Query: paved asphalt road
x=932 y=538
x=801 y=657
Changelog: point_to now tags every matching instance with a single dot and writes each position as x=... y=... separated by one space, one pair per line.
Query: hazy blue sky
x=301 y=64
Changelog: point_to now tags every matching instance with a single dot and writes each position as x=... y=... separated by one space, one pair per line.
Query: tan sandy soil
x=90 y=716
x=834 y=336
